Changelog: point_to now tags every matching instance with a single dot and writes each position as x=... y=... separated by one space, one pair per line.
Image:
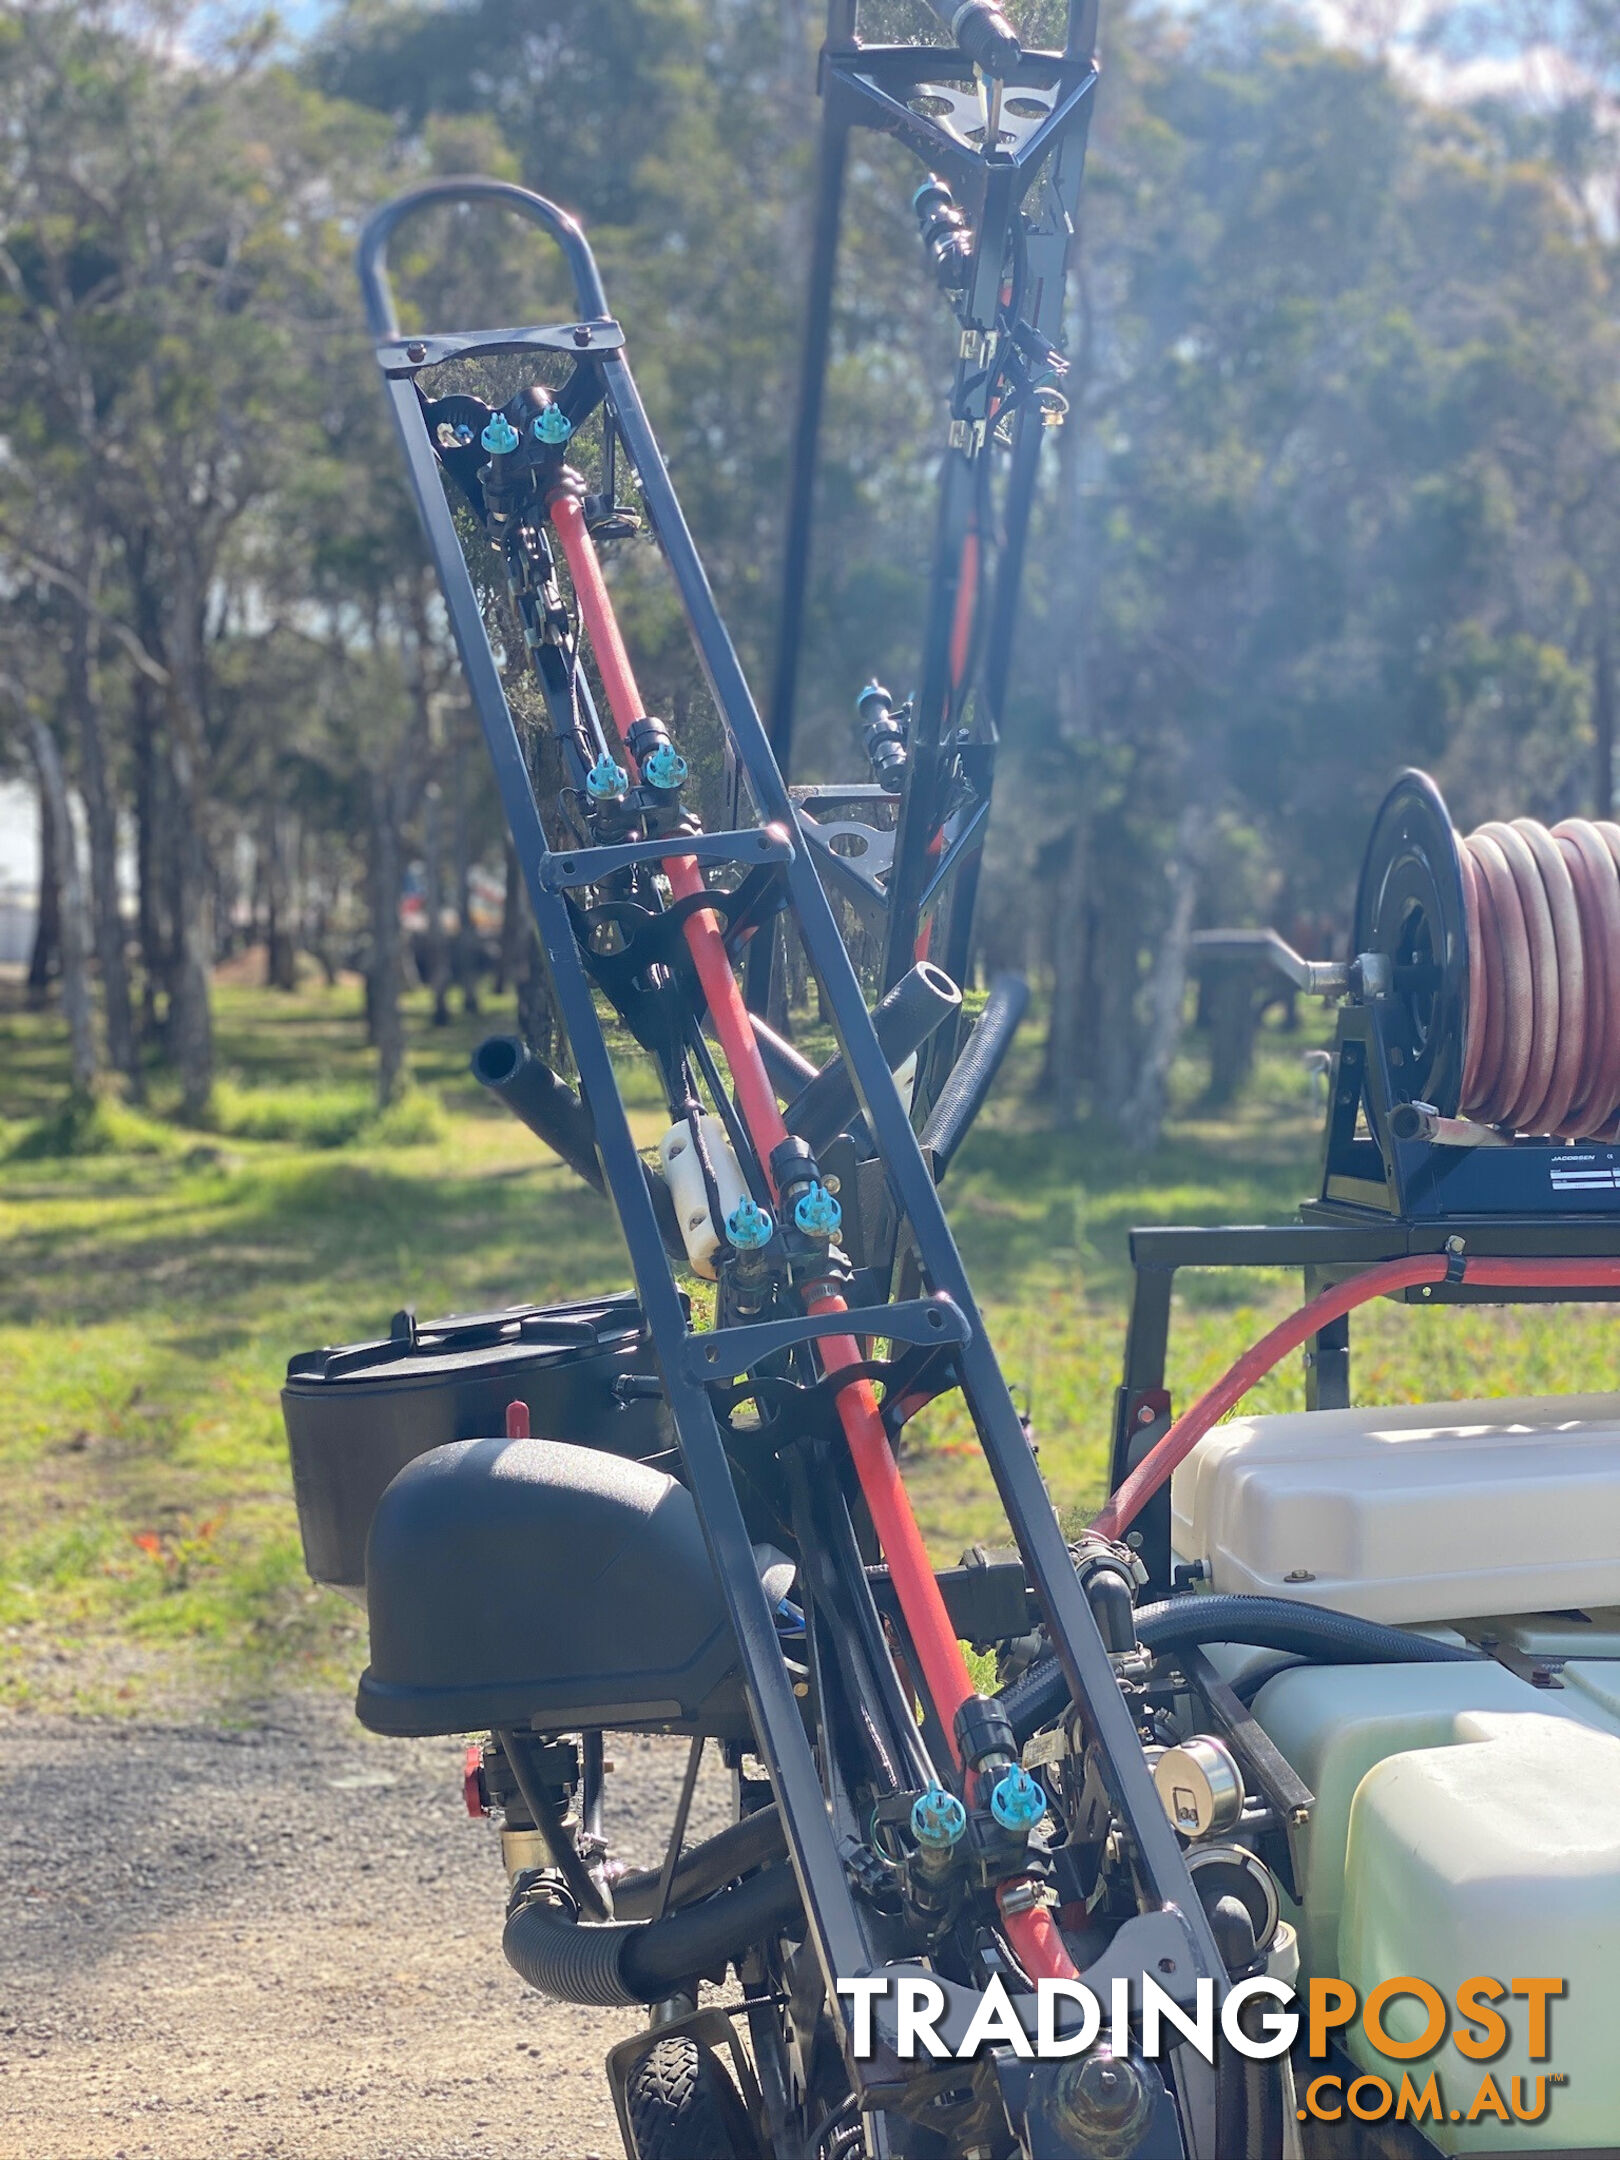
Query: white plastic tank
x=1497 y=1853
x=1422 y=1512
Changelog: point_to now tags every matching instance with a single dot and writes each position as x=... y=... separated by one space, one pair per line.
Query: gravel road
x=216 y=1945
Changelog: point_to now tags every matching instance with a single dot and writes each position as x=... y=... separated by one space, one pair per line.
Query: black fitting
x=983 y=33
x=793 y=1169
x=984 y=1732
x=644 y=736
x=943 y=229
x=884 y=732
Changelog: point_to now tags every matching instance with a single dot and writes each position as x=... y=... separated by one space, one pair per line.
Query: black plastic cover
x=357 y=1415
x=518 y=1582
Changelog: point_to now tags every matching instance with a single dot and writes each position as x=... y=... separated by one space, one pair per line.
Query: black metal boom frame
x=784 y=866
x=930 y=864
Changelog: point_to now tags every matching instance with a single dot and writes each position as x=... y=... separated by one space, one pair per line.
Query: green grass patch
x=153 y=1293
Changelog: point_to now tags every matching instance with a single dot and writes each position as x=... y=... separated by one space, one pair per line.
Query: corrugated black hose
x=625 y=1963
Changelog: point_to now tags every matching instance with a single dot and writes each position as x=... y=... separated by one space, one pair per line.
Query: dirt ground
x=216 y=1945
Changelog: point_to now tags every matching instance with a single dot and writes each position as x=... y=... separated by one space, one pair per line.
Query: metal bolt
x=1106 y=2100
x=1146 y=1414
x=582 y=335
x=416 y=351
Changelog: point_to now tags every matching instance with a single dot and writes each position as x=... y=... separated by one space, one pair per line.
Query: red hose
x=1134 y=1491
x=944 y=1670
x=1542 y=1050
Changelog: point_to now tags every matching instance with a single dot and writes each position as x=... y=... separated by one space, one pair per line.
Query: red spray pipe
x=1184 y=1435
x=944 y=1670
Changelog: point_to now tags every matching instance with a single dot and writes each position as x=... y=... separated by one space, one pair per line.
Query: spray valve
x=938 y=1822
x=500 y=438
x=884 y=732
x=1017 y=1801
x=665 y=769
x=606 y=781
x=817 y=1213
x=947 y=241
x=749 y=1226
x=553 y=426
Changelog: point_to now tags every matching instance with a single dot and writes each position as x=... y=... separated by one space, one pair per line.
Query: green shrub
x=415 y=1119
x=319 y=1117
x=91 y=1125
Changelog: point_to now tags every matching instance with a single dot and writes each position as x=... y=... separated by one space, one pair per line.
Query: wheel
x=683 y=2106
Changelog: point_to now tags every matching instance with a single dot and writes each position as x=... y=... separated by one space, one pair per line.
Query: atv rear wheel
x=683 y=2105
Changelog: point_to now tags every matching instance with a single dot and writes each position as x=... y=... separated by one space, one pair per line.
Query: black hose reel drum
x=1411 y=915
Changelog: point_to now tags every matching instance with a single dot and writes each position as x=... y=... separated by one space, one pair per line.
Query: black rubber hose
x=1266 y=1623
x=545 y=1102
x=643 y=1962
x=974 y=1074
x=789 y=1068
x=903 y=1021
x=737 y=1850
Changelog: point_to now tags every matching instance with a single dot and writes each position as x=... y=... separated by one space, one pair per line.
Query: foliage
x=1336 y=491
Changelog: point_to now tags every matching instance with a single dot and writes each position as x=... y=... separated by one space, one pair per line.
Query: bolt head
x=416 y=351
x=1105 y=2097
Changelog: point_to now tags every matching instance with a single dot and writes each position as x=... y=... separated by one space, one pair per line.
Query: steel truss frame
x=929 y=865
x=1170 y=1933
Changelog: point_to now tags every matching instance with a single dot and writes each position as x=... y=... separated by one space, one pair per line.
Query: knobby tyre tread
x=684 y=2106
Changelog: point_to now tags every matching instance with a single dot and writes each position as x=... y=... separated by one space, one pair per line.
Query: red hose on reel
x=1542 y=1049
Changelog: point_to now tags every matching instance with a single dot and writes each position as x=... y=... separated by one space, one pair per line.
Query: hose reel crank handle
x=1317 y=978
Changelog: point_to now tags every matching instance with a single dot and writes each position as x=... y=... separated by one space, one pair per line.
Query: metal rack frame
x=692 y=1366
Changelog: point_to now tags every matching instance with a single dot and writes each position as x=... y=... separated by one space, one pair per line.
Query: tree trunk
x=1603 y=720
x=1167 y=991
x=152 y=853
x=1065 y=1061
x=435 y=946
x=466 y=947
x=280 y=945
x=47 y=953
x=385 y=1021
x=514 y=922
x=191 y=1028
x=1231 y=1001
x=101 y=819
x=75 y=932
x=191 y=1025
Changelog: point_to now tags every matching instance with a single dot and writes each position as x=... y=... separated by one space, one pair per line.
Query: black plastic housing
x=527 y=1582
x=357 y=1415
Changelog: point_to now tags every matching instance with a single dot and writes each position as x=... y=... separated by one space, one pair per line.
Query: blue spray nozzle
x=606 y=781
x=665 y=767
x=1017 y=1802
x=938 y=1819
x=749 y=1226
x=552 y=426
x=500 y=438
x=817 y=1213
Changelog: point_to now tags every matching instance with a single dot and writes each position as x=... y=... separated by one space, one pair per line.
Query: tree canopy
x=1335 y=494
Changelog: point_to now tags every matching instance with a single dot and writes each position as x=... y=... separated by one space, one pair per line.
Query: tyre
x=683 y=2105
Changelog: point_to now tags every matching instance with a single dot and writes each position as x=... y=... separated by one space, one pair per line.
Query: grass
x=156 y=1280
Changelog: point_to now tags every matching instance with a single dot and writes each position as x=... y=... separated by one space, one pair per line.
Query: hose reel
x=1500 y=953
